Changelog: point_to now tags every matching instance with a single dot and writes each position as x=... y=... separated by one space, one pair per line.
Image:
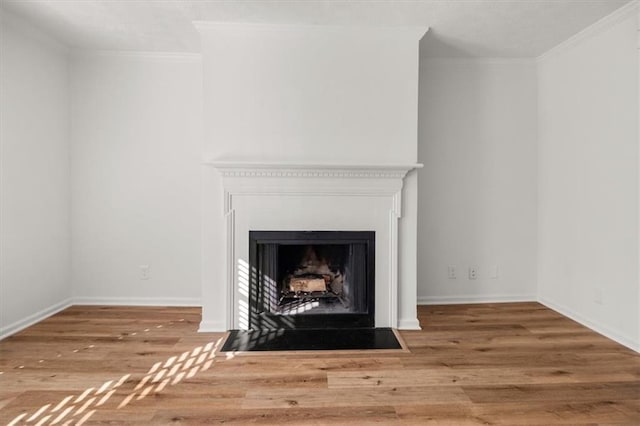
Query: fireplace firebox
x=311 y=279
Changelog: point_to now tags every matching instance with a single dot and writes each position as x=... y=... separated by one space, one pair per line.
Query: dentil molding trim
x=312 y=170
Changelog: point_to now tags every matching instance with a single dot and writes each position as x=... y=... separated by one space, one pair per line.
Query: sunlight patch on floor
x=162 y=374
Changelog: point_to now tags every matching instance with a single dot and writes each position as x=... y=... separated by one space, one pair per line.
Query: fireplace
x=248 y=197
x=311 y=279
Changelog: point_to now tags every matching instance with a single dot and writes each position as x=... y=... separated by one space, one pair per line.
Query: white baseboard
x=409 y=324
x=403 y=324
x=593 y=325
x=34 y=318
x=138 y=301
x=212 y=327
x=459 y=300
x=113 y=301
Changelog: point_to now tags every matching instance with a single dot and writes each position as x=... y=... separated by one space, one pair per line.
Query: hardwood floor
x=510 y=364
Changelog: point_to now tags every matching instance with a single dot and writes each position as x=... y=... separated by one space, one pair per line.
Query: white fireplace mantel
x=304 y=170
x=312 y=196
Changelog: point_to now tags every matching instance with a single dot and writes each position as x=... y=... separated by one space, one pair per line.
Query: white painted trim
x=409 y=324
x=34 y=318
x=108 y=301
x=403 y=324
x=138 y=301
x=468 y=299
x=139 y=54
x=413 y=31
x=341 y=180
x=638 y=162
x=230 y=235
x=395 y=214
x=626 y=11
x=224 y=164
x=311 y=170
x=464 y=60
x=607 y=332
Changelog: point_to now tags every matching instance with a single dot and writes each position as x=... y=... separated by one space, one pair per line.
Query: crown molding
x=463 y=60
x=413 y=31
x=617 y=16
x=170 y=56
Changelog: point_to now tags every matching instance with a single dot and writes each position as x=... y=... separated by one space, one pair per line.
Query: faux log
x=307 y=284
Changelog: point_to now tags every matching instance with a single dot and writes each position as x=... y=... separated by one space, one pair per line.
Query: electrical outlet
x=473 y=272
x=145 y=272
x=452 y=273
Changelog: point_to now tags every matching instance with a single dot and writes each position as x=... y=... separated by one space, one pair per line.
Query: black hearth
x=311 y=279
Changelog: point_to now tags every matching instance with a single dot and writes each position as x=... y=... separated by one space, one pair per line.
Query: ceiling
x=458 y=28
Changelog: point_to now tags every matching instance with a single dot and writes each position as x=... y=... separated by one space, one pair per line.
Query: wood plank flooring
x=511 y=364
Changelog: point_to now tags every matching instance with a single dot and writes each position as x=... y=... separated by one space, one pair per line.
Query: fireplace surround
x=240 y=197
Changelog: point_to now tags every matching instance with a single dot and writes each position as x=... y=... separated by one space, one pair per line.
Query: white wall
x=588 y=179
x=307 y=94
x=312 y=93
x=136 y=154
x=477 y=196
x=34 y=176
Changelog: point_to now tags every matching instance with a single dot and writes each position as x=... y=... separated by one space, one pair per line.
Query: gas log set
x=313 y=279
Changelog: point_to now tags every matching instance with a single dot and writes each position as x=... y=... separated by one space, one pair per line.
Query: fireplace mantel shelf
x=291 y=169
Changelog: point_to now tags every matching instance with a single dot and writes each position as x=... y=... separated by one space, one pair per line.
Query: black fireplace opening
x=311 y=279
